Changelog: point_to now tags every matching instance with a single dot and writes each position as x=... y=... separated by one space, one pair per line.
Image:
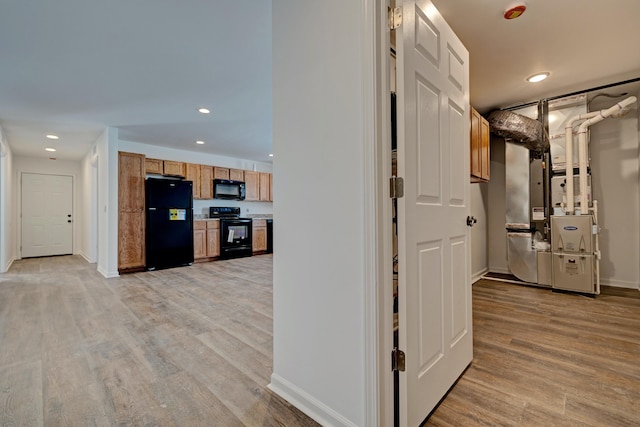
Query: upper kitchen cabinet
x=193 y=175
x=265 y=187
x=236 y=174
x=206 y=182
x=257 y=186
x=480 y=151
x=173 y=168
x=220 y=173
x=154 y=166
x=252 y=186
x=131 y=212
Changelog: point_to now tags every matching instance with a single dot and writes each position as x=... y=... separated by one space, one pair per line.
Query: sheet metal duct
x=517 y=194
x=522 y=256
x=527 y=132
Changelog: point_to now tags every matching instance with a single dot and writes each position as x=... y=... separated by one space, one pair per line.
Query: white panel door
x=435 y=324
x=47 y=204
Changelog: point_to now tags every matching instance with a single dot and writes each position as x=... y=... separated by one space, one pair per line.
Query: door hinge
x=396 y=187
x=394 y=17
x=397 y=360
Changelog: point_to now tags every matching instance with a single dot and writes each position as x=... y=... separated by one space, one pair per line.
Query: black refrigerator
x=169 y=235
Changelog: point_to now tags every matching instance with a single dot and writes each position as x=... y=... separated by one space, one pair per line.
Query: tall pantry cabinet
x=131 y=212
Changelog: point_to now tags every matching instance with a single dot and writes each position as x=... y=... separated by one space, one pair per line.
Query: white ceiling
x=583 y=43
x=73 y=67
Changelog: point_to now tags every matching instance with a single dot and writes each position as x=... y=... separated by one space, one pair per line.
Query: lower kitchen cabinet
x=259 y=232
x=206 y=239
x=213 y=238
x=199 y=239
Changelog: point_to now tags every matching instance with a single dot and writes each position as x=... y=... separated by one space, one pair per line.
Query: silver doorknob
x=471 y=220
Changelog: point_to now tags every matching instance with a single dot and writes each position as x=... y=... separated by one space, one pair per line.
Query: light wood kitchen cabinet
x=236 y=174
x=193 y=175
x=259 y=235
x=220 y=173
x=252 y=186
x=172 y=168
x=131 y=212
x=199 y=239
x=154 y=166
x=265 y=187
x=206 y=239
x=480 y=148
x=206 y=182
x=213 y=238
x=271 y=187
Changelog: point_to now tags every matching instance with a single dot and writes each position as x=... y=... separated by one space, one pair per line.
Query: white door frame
x=384 y=229
x=67 y=178
x=378 y=271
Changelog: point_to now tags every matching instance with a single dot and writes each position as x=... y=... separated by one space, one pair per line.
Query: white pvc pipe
x=596 y=252
x=582 y=147
x=568 y=149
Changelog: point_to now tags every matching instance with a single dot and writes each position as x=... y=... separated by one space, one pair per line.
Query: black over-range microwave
x=228 y=190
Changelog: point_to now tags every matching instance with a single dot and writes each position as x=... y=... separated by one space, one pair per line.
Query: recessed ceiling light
x=50 y=149
x=270 y=154
x=203 y=110
x=51 y=136
x=537 y=77
x=200 y=142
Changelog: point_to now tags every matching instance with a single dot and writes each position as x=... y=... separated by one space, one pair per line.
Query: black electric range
x=235 y=232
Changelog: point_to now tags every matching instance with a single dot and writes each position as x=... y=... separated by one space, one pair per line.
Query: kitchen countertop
x=253 y=216
x=259 y=216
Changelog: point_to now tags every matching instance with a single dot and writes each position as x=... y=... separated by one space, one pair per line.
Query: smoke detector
x=514 y=11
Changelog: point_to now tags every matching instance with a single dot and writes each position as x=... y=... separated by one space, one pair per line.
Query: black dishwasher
x=269 y=237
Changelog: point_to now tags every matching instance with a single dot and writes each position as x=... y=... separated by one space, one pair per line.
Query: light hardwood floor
x=187 y=346
x=549 y=359
x=193 y=347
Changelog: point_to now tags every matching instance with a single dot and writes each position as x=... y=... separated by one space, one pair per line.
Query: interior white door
x=47 y=208
x=435 y=323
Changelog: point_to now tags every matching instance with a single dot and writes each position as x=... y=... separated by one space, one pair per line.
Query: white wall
x=107 y=151
x=614 y=163
x=45 y=166
x=497 y=235
x=479 y=210
x=7 y=216
x=320 y=147
x=89 y=205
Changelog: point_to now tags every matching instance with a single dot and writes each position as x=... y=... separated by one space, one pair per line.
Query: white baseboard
x=108 y=275
x=620 y=284
x=499 y=270
x=82 y=254
x=9 y=264
x=307 y=403
x=478 y=275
